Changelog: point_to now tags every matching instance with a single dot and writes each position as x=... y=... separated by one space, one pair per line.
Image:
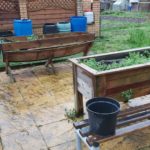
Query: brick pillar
x=79 y=8
x=83 y=5
x=96 y=10
x=23 y=9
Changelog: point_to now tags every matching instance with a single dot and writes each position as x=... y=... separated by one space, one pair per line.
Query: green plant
x=71 y=114
x=127 y=95
x=32 y=37
x=133 y=58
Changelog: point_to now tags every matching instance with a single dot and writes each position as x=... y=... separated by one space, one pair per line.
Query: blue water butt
x=23 y=27
x=78 y=24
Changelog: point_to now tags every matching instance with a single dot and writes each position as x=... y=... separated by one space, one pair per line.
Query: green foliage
x=32 y=37
x=127 y=95
x=71 y=114
x=134 y=58
x=138 y=37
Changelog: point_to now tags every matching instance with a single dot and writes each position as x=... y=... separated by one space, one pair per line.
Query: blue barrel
x=23 y=27
x=78 y=24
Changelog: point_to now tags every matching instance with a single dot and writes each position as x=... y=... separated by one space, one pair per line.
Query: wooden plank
x=120 y=132
x=46 y=42
x=136 y=76
x=132 y=119
x=137 y=92
x=134 y=110
x=81 y=124
x=127 y=87
x=41 y=54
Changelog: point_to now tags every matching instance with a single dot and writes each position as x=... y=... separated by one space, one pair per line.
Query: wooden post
x=78 y=96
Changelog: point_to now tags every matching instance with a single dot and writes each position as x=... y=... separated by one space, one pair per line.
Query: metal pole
x=78 y=142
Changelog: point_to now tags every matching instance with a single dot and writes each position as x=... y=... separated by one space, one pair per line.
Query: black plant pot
x=6 y=33
x=50 y=28
x=102 y=113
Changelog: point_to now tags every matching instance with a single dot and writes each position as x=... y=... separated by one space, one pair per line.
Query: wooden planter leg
x=8 y=71
x=85 y=52
x=49 y=61
x=78 y=101
x=6 y=67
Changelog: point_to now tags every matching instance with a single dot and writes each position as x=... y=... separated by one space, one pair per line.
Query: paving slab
x=24 y=140
x=58 y=133
x=48 y=115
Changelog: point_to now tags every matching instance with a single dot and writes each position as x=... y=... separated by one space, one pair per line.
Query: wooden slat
x=133 y=110
x=81 y=124
x=46 y=42
x=125 y=122
x=42 y=54
x=120 y=132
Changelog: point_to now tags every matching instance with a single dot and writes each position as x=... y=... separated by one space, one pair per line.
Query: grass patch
x=126 y=14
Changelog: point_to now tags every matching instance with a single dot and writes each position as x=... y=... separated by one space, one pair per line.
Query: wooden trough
x=89 y=83
x=47 y=48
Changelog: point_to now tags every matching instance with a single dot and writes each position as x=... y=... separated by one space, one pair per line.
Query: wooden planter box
x=47 y=47
x=89 y=83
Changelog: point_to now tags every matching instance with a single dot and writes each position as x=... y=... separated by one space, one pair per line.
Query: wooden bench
x=129 y=120
x=47 y=48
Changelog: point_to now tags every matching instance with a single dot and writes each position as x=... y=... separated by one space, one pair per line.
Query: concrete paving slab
x=47 y=115
x=57 y=133
x=24 y=140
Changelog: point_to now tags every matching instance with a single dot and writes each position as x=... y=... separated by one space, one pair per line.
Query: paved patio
x=32 y=113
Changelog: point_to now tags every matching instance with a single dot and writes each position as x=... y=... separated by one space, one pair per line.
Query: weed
x=127 y=95
x=71 y=114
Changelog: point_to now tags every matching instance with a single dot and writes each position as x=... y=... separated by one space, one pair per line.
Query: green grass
x=117 y=35
x=126 y=14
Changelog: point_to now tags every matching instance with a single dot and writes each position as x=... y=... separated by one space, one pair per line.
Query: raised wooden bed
x=52 y=46
x=90 y=83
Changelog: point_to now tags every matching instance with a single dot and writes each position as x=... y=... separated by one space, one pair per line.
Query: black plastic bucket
x=103 y=113
x=49 y=28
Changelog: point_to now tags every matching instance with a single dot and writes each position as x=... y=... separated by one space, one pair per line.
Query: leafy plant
x=127 y=95
x=32 y=37
x=132 y=59
x=71 y=114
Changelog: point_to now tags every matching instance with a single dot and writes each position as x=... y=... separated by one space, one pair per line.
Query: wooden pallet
x=128 y=121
